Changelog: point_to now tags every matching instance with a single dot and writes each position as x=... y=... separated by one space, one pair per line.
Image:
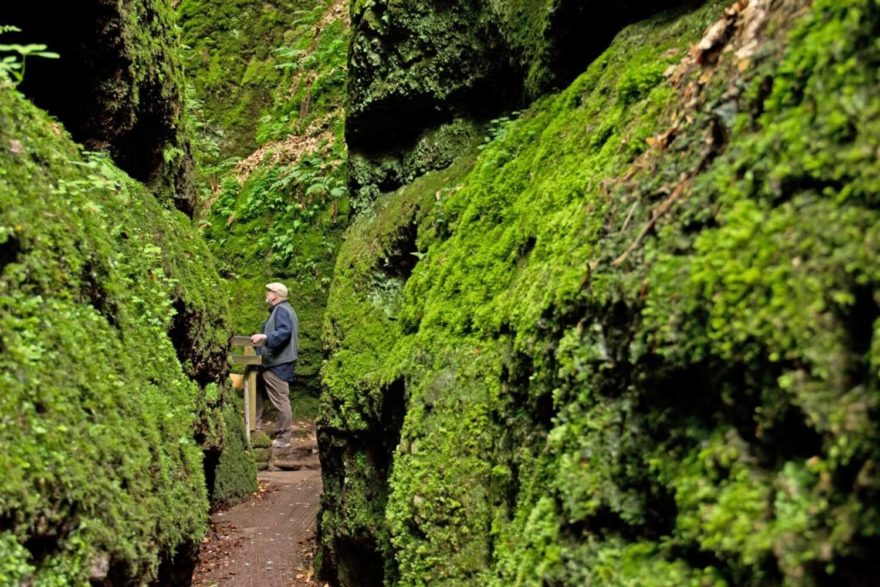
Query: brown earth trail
x=269 y=540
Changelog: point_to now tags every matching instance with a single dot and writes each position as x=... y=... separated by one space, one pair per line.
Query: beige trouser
x=279 y=394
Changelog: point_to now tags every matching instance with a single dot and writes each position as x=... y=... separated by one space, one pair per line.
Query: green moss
x=99 y=460
x=362 y=321
x=443 y=219
x=260 y=439
x=263 y=71
x=638 y=345
x=231 y=64
x=235 y=477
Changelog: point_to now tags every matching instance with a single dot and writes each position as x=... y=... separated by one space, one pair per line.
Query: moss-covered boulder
x=233 y=477
x=117 y=86
x=102 y=473
x=634 y=338
x=422 y=72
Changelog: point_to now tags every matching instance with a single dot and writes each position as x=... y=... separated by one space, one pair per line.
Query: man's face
x=271 y=298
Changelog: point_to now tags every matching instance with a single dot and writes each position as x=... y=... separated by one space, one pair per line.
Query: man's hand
x=258 y=338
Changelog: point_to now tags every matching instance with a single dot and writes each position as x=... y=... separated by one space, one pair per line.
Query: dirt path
x=269 y=540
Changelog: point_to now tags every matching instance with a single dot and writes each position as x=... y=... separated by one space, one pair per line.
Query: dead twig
x=658 y=212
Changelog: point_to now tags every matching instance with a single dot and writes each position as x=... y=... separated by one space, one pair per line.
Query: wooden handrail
x=250 y=360
x=242 y=340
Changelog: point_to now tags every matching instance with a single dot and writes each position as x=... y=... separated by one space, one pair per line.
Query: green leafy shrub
x=12 y=67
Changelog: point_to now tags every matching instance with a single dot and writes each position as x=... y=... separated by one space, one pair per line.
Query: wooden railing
x=247 y=382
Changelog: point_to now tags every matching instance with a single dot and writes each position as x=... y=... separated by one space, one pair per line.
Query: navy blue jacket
x=280 y=336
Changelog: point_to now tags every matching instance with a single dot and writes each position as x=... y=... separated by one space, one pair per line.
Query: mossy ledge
x=634 y=339
x=117 y=86
x=107 y=394
x=419 y=70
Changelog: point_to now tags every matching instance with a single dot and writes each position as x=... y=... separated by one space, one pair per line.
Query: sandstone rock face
x=627 y=334
x=418 y=70
x=117 y=86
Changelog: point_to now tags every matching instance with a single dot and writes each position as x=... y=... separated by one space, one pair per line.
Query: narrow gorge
x=588 y=292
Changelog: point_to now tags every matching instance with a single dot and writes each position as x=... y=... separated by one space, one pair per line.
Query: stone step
x=285 y=464
x=296 y=452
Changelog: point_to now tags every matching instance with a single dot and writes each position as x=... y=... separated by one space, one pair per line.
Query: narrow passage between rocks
x=269 y=540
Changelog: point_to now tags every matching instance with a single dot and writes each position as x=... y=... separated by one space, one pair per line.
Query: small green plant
x=12 y=67
x=498 y=128
x=296 y=196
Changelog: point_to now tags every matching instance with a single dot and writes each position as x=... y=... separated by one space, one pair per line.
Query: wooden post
x=250 y=391
x=251 y=362
x=247 y=410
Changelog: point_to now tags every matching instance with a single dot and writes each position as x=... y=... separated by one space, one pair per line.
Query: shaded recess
x=357 y=558
x=186 y=333
x=578 y=32
x=415 y=67
x=111 y=92
x=9 y=251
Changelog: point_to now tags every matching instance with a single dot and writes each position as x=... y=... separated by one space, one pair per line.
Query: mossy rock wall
x=117 y=86
x=419 y=69
x=278 y=213
x=231 y=62
x=234 y=477
x=634 y=338
x=100 y=450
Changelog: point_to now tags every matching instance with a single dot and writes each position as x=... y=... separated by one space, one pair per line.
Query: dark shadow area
x=363 y=565
x=858 y=320
x=356 y=556
x=393 y=413
x=178 y=569
x=93 y=292
x=858 y=568
x=47 y=536
x=88 y=36
x=9 y=252
x=211 y=458
x=91 y=89
x=396 y=123
x=184 y=334
x=401 y=260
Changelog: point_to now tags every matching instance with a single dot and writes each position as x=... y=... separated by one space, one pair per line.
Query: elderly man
x=279 y=335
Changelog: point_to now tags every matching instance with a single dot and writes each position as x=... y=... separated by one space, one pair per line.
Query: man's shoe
x=278 y=443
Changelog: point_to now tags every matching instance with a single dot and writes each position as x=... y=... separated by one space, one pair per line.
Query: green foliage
x=282 y=220
x=12 y=67
x=638 y=344
x=294 y=197
x=235 y=476
x=313 y=81
x=263 y=71
x=498 y=128
x=98 y=459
